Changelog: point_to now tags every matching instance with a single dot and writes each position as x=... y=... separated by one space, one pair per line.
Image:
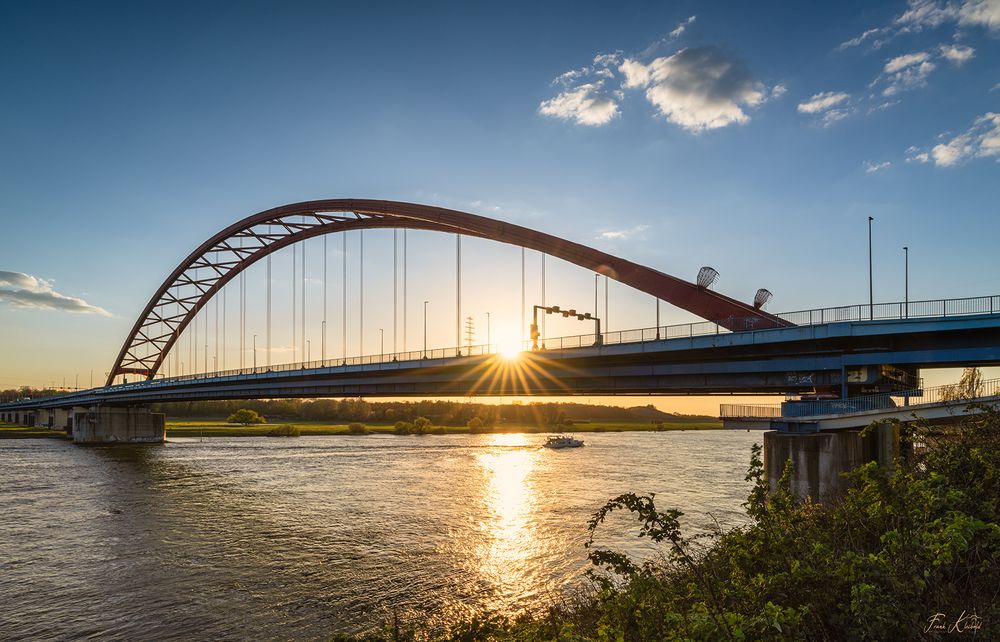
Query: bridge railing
x=818 y=316
x=895 y=311
x=957 y=392
x=851 y=313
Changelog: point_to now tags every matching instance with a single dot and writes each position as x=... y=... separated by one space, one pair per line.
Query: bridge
x=738 y=348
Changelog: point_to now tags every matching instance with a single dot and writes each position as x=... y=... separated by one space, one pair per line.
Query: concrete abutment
x=118 y=425
x=819 y=459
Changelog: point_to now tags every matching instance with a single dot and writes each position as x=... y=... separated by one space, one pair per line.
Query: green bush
x=357 y=429
x=403 y=428
x=475 y=425
x=421 y=426
x=245 y=417
x=284 y=431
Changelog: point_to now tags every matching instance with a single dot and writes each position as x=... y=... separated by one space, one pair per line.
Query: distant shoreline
x=221 y=429
x=306 y=429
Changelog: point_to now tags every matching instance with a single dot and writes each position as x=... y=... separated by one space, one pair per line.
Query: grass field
x=14 y=431
x=221 y=429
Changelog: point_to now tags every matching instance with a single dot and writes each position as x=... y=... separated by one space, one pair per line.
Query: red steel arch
x=221 y=258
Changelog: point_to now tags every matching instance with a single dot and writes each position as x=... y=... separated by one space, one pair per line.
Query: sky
x=755 y=138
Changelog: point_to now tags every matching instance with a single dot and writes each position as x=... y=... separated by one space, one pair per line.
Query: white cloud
x=831 y=106
x=584 y=104
x=584 y=98
x=26 y=291
x=931 y=14
x=904 y=61
x=682 y=27
x=910 y=78
x=905 y=72
x=636 y=74
x=621 y=235
x=872 y=168
x=698 y=89
x=778 y=91
x=980 y=13
x=982 y=140
x=922 y=14
x=834 y=115
x=857 y=40
x=823 y=101
x=958 y=55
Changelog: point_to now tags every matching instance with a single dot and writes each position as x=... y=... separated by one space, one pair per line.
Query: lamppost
x=488 y=340
x=425 y=329
x=906 y=280
x=308 y=350
x=871 y=293
x=255 y=352
x=381 y=343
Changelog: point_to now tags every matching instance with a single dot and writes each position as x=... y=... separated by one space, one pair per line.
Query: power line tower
x=470 y=331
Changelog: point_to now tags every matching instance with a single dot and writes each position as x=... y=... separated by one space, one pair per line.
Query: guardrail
x=957 y=392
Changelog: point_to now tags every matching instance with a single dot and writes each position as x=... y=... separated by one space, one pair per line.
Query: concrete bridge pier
x=118 y=425
x=820 y=458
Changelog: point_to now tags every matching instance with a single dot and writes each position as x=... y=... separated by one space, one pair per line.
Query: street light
x=425 y=328
x=255 y=352
x=308 y=350
x=488 y=341
x=381 y=343
x=871 y=294
x=906 y=280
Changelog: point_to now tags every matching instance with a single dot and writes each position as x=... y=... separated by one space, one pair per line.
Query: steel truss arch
x=224 y=256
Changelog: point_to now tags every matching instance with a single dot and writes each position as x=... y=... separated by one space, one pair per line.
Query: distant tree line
x=441 y=413
x=13 y=394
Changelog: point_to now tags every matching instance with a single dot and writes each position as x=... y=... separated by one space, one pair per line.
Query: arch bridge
x=739 y=349
x=217 y=261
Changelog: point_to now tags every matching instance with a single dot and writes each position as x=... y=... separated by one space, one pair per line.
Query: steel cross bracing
x=217 y=261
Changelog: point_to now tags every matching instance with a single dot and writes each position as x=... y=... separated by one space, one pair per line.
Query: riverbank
x=209 y=428
x=14 y=431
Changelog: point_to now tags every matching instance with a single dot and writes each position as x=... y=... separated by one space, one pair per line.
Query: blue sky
x=752 y=137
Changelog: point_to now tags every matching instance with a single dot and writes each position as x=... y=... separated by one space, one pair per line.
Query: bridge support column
x=44 y=418
x=118 y=425
x=819 y=458
x=60 y=419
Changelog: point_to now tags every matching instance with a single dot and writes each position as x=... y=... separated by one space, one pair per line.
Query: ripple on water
x=230 y=538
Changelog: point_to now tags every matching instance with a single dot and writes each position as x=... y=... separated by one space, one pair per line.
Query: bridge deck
x=780 y=360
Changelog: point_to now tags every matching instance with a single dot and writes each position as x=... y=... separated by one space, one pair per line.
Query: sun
x=509 y=350
x=507 y=344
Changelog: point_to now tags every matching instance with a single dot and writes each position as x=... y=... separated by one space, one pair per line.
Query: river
x=265 y=538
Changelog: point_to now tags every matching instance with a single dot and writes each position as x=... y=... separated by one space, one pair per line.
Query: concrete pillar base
x=112 y=425
x=819 y=459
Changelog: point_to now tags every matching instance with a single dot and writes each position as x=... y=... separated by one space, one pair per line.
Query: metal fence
x=957 y=393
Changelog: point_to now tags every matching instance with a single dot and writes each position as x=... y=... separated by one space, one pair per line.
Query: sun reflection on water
x=507 y=465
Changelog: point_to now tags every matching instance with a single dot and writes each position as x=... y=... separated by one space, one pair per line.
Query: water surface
x=230 y=538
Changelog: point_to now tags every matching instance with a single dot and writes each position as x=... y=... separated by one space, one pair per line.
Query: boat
x=562 y=442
